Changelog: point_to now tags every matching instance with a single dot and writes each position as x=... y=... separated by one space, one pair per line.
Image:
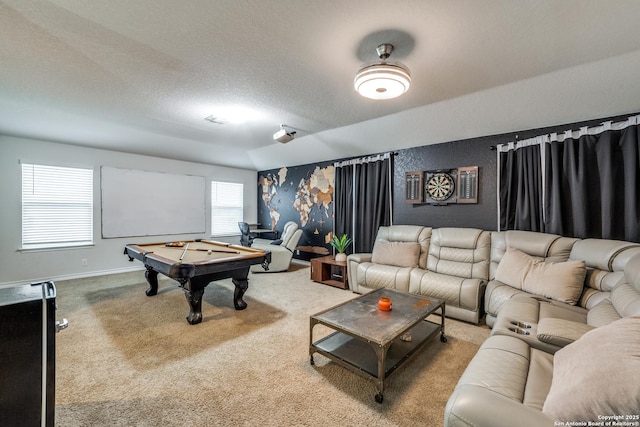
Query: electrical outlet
x=84 y=262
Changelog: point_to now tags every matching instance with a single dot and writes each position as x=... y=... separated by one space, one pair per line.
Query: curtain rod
x=568 y=134
x=368 y=159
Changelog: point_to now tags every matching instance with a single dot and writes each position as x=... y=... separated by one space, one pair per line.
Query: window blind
x=226 y=208
x=57 y=206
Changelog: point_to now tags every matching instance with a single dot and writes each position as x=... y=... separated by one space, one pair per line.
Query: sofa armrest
x=353 y=261
x=359 y=258
x=561 y=332
x=472 y=405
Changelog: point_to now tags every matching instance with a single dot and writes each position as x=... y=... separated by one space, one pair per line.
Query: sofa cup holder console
x=522 y=325
x=520 y=328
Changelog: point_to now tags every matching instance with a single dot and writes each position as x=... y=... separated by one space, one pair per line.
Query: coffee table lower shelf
x=364 y=359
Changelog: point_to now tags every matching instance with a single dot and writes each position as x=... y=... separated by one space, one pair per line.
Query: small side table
x=330 y=272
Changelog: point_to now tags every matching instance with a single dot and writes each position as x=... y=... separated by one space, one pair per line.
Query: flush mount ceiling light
x=383 y=80
x=284 y=135
x=234 y=115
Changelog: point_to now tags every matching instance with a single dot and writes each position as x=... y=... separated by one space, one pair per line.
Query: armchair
x=281 y=250
x=287 y=226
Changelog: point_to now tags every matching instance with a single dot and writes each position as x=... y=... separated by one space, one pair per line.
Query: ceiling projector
x=283 y=135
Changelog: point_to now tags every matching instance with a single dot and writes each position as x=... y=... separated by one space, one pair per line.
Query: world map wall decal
x=303 y=194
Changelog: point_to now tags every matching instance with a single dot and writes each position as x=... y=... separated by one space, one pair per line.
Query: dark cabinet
x=27 y=354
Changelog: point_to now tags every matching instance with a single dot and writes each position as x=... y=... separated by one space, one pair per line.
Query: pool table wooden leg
x=194 y=298
x=242 y=284
x=152 y=278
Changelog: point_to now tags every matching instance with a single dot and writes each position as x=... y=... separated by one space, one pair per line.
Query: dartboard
x=440 y=186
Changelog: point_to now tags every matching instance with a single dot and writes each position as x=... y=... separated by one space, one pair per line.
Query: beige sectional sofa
x=564 y=313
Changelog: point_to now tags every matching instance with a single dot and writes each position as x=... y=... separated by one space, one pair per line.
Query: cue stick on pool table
x=205 y=250
x=185 y=251
x=215 y=250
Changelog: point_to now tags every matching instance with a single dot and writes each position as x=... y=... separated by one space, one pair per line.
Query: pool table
x=194 y=264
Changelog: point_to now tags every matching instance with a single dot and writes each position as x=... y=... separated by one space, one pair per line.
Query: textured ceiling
x=140 y=76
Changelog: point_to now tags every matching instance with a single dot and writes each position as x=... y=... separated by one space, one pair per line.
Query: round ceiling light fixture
x=383 y=80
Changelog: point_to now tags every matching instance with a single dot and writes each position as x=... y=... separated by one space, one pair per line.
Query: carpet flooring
x=131 y=360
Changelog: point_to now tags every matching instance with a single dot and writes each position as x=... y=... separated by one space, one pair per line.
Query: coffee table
x=371 y=342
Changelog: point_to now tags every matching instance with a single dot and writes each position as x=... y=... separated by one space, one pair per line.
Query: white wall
x=106 y=256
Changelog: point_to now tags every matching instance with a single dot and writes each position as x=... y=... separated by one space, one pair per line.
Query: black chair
x=246 y=239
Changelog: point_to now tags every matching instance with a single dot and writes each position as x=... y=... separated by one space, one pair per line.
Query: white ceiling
x=140 y=76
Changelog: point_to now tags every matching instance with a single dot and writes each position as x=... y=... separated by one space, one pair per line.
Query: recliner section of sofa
x=457 y=271
x=365 y=275
x=512 y=382
x=606 y=261
x=452 y=265
x=547 y=247
x=504 y=385
x=549 y=325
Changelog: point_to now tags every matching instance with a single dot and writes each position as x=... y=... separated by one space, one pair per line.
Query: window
x=57 y=206
x=226 y=208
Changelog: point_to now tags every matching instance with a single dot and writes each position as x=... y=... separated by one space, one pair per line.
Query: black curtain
x=362 y=200
x=588 y=184
x=593 y=183
x=372 y=207
x=521 y=189
x=343 y=201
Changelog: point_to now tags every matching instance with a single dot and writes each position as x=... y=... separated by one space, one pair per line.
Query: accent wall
x=305 y=193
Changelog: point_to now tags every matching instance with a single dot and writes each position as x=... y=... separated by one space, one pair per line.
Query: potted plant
x=340 y=244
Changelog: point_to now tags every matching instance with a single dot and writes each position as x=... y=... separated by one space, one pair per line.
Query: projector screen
x=142 y=203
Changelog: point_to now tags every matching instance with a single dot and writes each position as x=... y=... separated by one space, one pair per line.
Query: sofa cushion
x=560 y=281
x=455 y=291
x=606 y=261
x=462 y=252
x=626 y=300
x=399 y=254
x=513 y=268
x=560 y=332
x=376 y=276
x=408 y=233
x=500 y=365
x=602 y=314
x=591 y=379
x=548 y=247
x=600 y=253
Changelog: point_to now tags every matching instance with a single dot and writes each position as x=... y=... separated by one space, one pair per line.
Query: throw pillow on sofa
x=597 y=375
x=560 y=281
x=399 y=254
x=513 y=268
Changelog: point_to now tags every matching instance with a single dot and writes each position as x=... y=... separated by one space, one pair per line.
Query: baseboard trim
x=74 y=276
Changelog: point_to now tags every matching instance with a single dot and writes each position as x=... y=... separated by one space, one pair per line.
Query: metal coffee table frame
x=368 y=341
